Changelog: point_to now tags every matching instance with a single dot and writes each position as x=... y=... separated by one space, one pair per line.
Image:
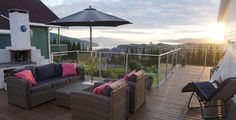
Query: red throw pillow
x=127 y=77
x=99 y=90
x=68 y=69
x=27 y=75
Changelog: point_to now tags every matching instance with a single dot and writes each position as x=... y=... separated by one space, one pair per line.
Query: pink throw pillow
x=99 y=90
x=27 y=75
x=68 y=69
x=127 y=77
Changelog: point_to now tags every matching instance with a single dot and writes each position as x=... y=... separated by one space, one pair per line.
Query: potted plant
x=149 y=81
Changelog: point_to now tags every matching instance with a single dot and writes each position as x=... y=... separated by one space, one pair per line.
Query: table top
x=72 y=88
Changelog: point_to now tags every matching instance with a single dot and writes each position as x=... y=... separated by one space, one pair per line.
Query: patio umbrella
x=90 y=17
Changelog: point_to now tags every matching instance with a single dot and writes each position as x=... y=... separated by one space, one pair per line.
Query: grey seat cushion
x=45 y=71
x=40 y=87
x=58 y=81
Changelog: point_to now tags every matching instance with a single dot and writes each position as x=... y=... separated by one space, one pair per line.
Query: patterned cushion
x=113 y=86
x=140 y=73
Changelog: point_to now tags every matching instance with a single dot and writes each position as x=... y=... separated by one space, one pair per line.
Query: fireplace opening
x=20 y=55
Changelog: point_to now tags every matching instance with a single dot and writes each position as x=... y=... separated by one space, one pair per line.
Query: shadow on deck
x=163 y=103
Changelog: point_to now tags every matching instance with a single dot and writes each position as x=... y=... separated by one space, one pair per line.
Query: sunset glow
x=216 y=32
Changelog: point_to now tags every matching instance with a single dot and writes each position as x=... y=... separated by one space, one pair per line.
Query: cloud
x=150 y=18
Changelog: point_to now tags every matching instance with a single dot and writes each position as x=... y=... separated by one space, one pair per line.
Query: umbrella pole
x=91 y=53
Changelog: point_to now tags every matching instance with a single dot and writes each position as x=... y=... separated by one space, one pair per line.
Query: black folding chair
x=208 y=95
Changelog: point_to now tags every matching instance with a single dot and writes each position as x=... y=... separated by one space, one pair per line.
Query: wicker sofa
x=48 y=77
x=86 y=105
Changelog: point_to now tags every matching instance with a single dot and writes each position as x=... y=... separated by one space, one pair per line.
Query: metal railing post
x=77 y=58
x=167 y=59
x=205 y=62
x=126 y=63
x=100 y=64
x=159 y=70
x=52 y=58
x=177 y=57
x=173 y=56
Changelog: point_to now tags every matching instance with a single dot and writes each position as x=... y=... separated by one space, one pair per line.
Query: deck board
x=163 y=103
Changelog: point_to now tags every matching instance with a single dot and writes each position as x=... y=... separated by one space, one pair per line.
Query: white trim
x=49 y=46
x=2 y=31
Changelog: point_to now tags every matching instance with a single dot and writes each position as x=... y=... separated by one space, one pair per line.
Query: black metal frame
x=207 y=104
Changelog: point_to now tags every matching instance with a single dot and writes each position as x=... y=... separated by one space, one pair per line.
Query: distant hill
x=54 y=36
x=106 y=42
x=192 y=40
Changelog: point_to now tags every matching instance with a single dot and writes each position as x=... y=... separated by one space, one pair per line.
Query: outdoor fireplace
x=20 y=55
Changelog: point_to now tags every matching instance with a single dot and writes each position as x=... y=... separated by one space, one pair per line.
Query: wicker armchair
x=138 y=91
x=86 y=105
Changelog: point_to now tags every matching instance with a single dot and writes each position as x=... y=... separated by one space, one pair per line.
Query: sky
x=153 y=20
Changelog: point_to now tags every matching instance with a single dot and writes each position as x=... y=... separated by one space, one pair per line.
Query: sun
x=216 y=32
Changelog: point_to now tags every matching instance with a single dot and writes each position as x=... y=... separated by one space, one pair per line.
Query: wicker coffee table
x=63 y=95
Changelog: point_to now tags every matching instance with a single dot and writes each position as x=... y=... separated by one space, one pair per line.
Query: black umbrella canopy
x=90 y=17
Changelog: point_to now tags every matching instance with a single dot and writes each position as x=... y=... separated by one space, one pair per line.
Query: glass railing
x=113 y=65
x=200 y=57
x=59 y=47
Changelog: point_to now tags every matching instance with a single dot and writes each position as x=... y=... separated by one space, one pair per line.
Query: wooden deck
x=167 y=102
x=163 y=103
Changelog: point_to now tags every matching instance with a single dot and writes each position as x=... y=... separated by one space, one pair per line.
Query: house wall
x=5 y=40
x=230 y=21
x=38 y=40
x=227 y=66
x=228 y=16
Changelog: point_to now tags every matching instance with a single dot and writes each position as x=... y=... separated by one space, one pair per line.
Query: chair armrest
x=18 y=91
x=17 y=82
x=86 y=104
x=89 y=95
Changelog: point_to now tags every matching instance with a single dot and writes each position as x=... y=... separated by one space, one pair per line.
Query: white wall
x=4 y=55
x=227 y=66
x=230 y=21
x=19 y=40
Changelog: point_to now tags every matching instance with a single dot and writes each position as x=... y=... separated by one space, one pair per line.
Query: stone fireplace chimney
x=20 y=29
x=21 y=49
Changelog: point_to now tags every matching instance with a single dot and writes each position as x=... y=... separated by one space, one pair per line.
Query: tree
x=78 y=46
x=200 y=56
x=126 y=51
x=143 y=50
x=131 y=50
x=54 y=41
x=73 y=47
x=157 y=51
